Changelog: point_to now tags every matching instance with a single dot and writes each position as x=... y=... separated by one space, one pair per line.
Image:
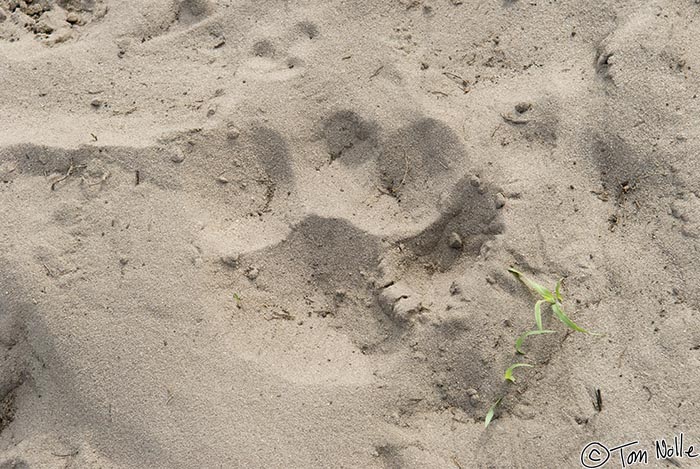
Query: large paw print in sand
x=328 y=263
x=379 y=288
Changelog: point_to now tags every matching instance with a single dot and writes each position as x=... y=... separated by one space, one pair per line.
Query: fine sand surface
x=276 y=234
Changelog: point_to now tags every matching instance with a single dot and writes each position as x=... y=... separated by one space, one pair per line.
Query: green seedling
x=489 y=414
x=554 y=299
x=538 y=314
x=509 y=372
x=519 y=342
x=238 y=300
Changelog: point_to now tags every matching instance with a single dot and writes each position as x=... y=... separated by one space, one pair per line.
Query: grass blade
x=566 y=320
x=519 y=342
x=542 y=291
x=538 y=314
x=509 y=372
x=557 y=290
x=489 y=414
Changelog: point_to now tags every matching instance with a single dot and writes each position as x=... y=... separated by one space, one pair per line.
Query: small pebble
x=230 y=260
x=473 y=396
x=222 y=180
x=177 y=158
x=97 y=103
x=34 y=10
x=678 y=212
x=233 y=132
x=252 y=273
x=455 y=241
x=500 y=200
x=73 y=18
x=340 y=295
x=523 y=107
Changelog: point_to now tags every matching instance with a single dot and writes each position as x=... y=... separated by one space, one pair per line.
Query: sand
x=276 y=234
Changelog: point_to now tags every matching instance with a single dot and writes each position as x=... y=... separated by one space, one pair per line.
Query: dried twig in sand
x=376 y=72
x=64 y=177
x=514 y=120
x=461 y=82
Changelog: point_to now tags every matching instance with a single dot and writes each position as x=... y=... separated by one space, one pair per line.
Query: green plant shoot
x=509 y=372
x=490 y=413
x=554 y=299
x=519 y=341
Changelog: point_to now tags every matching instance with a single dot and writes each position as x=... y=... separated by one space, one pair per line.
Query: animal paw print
x=279 y=58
